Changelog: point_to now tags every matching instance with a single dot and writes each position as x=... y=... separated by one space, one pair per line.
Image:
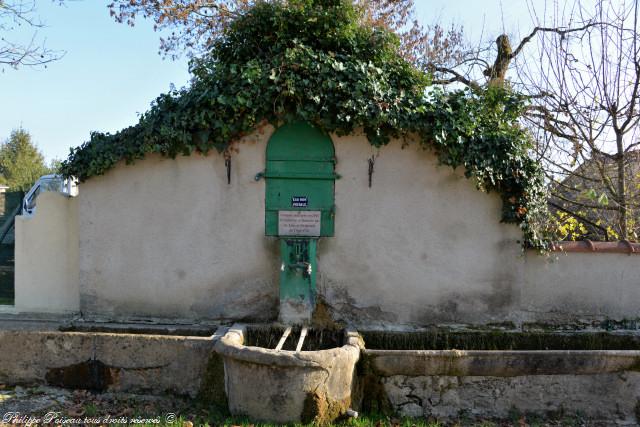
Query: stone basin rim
x=494 y=353
x=501 y=363
x=231 y=345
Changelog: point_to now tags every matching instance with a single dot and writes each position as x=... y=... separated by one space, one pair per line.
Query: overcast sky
x=111 y=72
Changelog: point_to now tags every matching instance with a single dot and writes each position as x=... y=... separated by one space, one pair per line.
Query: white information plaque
x=299 y=223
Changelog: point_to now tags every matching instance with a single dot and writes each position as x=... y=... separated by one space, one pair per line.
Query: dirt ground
x=43 y=405
x=57 y=406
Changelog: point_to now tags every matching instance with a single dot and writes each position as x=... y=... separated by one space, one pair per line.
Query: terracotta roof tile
x=620 y=247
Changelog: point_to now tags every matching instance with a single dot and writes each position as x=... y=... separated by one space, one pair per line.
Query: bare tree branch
x=16 y=13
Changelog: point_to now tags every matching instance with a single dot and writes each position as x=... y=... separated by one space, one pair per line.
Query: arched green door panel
x=299 y=141
x=300 y=176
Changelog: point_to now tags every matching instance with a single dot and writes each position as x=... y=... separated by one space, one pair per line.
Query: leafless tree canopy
x=193 y=25
x=13 y=15
x=584 y=75
x=580 y=67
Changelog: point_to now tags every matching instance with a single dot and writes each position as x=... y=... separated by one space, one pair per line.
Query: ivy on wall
x=310 y=60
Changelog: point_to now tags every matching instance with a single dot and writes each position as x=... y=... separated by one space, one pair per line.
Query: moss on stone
x=317 y=338
x=322 y=317
x=368 y=392
x=319 y=410
x=439 y=339
x=212 y=391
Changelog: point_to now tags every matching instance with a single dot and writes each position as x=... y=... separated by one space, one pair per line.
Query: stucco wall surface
x=585 y=286
x=170 y=238
x=421 y=245
x=46 y=256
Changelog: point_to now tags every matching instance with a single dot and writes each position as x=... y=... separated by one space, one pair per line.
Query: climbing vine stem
x=310 y=60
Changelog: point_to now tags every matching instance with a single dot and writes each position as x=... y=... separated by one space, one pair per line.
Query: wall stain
x=340 y=306
x=90 y=375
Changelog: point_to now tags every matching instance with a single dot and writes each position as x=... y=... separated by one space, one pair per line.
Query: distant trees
x=21 y=164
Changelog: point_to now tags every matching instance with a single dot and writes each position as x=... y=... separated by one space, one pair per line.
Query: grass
x=151 y=411
x=174 y=411
x=198 y=415
x=92 y=414
x=370 y=421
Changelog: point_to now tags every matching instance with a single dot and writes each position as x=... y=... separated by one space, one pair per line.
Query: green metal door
x=300 y=176
x=299 y=208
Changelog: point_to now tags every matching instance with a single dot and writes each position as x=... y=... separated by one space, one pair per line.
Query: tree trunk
x=622 y=195
x=496 y=73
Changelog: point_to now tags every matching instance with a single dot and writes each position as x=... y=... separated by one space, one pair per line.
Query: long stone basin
x=502 y=363
x=451 y=384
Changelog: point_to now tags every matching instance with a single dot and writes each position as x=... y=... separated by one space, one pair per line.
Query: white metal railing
x=55 y=183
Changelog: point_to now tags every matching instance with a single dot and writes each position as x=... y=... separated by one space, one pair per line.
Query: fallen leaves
x=75 y=411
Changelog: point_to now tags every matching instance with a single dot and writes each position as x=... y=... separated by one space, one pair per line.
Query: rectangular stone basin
x=504 y=354
x=448 y=375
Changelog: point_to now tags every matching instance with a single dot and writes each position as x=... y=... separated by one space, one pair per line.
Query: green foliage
x=310 y=60
x=21 y=164
x=568 y=227
x=55 y=165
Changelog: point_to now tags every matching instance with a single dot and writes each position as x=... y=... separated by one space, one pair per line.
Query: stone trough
x=106 y=361
x=286 y=385
x=601 y=383
x=254 y=372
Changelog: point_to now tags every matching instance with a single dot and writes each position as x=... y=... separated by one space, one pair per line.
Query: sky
x=111 y=72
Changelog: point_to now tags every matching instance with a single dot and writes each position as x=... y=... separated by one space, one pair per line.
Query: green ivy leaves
x=310 y=60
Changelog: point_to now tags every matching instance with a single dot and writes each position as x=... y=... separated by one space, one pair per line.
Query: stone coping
x=502 y=363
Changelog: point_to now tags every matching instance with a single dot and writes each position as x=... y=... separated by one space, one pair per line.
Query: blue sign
x=299 y=202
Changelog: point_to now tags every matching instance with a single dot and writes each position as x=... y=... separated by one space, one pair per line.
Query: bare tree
x=192 y=26
x=18 y=13
x=580 y=67
x=584 y=84
x=424 y=46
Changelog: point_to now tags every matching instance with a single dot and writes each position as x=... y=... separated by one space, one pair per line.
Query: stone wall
x=171 y=238
x=612 y=398
x=422 y=245
x=46 y=257
x=107 y=362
